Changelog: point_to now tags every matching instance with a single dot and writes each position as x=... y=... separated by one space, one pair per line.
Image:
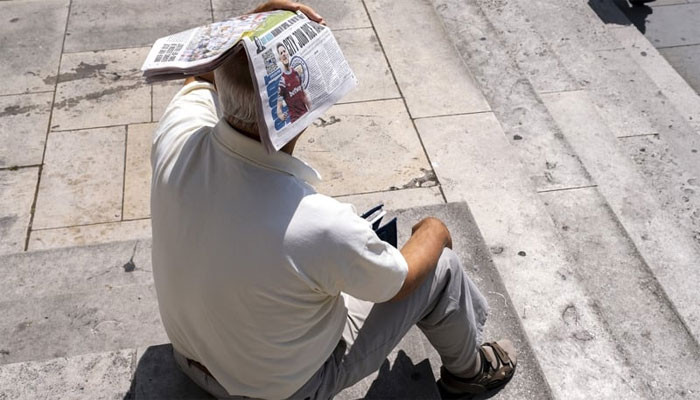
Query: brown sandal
x=498 y=361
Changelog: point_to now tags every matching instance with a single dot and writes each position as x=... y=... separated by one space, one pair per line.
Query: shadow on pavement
x=157 y=377
x=403 y=380
x=608 y=11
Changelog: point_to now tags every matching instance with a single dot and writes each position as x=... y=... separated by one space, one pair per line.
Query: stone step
x=667 y=80
x=662 y=142
x=479 y=166
x=504 y=44
x=101 y=336
x=73 y=301
x=135 y=373
x=53 y=272
x=669 y=252
x=649 y=334
x=76 y=323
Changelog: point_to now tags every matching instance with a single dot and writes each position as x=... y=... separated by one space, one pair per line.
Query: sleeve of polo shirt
x=193 y=107
x=345 y=255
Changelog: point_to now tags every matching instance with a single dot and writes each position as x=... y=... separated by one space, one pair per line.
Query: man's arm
x=422 y=252
x=209 y=77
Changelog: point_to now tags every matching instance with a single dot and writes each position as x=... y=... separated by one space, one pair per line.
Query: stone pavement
x=572 y=140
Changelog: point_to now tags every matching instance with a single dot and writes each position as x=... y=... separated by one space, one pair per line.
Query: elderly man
x=270 y=290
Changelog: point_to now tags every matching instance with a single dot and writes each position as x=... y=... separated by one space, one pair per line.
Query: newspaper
x=297 y=66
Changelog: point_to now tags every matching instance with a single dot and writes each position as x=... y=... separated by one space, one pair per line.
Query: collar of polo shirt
x=254 y=152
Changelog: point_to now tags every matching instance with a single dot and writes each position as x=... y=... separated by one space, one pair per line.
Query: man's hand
x=422 y=252
x=290 y=6
x=439 y=225
x=269 y=6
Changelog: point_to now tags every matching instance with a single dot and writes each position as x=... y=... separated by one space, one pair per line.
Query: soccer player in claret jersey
x=290 y=88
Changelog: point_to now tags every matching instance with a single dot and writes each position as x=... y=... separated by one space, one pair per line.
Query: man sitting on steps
x=270 y=290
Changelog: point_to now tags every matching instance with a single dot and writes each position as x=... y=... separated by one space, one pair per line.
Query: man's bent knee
x=449 y=260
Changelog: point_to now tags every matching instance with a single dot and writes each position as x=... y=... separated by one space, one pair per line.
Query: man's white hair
x=236 y=92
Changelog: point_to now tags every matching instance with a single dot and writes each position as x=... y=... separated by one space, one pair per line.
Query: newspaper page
x=198 y=49
x=299 y=72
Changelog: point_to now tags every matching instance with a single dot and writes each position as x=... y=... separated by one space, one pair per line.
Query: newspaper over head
x=297 y=66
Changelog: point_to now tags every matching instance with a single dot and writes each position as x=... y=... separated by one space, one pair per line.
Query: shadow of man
x=157 y=377
x=403 y=380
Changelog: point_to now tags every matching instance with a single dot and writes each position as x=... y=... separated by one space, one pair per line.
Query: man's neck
x=251 y=131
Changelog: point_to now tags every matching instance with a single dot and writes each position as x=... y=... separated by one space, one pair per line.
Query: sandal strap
x=497 y=367
x=500 y=353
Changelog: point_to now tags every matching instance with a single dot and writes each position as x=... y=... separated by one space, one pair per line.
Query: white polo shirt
x=248 y=260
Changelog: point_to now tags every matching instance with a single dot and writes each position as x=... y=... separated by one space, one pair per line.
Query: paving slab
x=676 y=25
x=102 y=88
x=364 y=54
x=549 y=160
x=685 y=100
x=670 y=251
x=477 y=165
x=351 y=143
x=78 y=186
x=339 y=14
x=108 y=24
x=137 y=175
x=31 y=44
x=17 y=190
x=415 y=44
x=89 y=234
x=103 y=319
x=24 y=121
x=395 y=199
x=686 y=60
x=41 y=274
x=649 y=334
x=90 y=376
